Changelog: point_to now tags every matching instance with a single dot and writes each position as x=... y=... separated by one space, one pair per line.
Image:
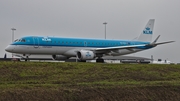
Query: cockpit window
x=23 y=40
x=20 y=40
x=16 y=40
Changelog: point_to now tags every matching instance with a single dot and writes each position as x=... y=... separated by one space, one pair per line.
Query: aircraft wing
x=119 y=47
x=130 y=46
x=164 y=42
x=155 y=44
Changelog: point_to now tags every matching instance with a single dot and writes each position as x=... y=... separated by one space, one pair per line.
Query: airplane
x=83 y=48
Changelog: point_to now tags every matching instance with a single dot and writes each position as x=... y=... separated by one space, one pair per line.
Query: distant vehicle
x=162 y=62
x=84 y=49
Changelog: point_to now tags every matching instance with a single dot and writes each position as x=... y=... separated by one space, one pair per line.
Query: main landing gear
x=99 y=60
x=81 y=60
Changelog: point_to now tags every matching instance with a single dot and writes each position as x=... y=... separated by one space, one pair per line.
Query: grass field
x=88 y=81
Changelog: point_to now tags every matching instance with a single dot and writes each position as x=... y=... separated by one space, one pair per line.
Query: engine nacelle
x=85 y=55
x=59 y=57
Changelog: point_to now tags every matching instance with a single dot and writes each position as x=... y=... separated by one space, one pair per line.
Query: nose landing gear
x=27 y=57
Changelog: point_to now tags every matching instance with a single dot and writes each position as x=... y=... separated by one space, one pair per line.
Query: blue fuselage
x=70 y=46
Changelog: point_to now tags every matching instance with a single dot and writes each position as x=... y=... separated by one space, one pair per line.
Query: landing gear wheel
x=27 y=58
x=100 y=60
x=81 y=60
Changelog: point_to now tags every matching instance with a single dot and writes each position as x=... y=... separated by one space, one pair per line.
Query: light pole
x=13 y=29
x=105 y=28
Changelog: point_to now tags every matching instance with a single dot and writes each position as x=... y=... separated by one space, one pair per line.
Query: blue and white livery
x=83 y=49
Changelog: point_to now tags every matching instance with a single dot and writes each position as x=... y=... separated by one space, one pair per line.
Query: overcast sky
x=84 y=18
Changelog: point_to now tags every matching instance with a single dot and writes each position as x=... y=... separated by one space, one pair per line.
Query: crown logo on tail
x=147 y=31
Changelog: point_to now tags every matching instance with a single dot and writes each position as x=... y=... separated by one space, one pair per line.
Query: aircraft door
x=36 y=42
x=85 y=44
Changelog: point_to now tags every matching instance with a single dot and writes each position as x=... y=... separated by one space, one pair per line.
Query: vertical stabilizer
x=147 y=33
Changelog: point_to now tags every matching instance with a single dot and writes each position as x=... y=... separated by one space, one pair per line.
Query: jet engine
x=85 y=55
x=59 y=57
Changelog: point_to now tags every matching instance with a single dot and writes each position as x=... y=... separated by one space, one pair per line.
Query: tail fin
x=146 y=35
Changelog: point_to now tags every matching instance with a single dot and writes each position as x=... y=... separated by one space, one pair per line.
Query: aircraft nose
x=9 y=48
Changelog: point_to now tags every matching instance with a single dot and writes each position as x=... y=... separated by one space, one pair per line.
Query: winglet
x=155 y=40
